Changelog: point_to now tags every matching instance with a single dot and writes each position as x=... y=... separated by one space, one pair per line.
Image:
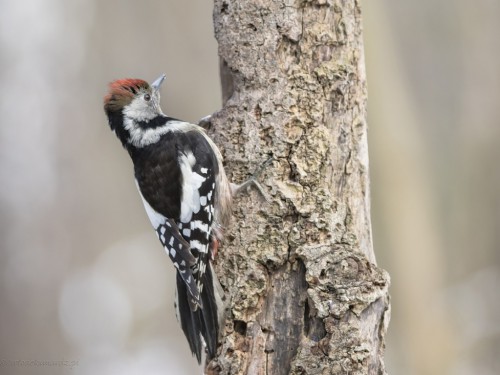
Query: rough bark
x=303 y=290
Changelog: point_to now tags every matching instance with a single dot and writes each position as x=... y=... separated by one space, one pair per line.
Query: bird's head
x=133 y=106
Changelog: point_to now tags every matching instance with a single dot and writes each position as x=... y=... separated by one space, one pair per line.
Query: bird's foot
x=253 y=181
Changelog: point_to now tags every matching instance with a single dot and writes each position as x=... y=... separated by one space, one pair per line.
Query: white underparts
x=156 y=218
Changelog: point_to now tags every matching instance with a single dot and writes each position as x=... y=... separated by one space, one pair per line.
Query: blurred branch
x=410 y=209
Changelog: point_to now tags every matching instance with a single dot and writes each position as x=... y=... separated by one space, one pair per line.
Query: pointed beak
x=156 y=84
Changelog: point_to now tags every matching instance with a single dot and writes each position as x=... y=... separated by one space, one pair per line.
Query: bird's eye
x=147 y=97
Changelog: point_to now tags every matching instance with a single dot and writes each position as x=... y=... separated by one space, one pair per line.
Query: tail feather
x=189 y=319
x=209 y=320
x=204 y=321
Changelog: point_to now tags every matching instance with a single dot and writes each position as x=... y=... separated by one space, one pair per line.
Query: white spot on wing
x=190 y=202
x=203 y=201
x=195 y=244
x=198 y=224
x=186 y=232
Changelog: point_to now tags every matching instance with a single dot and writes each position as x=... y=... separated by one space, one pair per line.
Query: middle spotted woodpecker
x=187 y=197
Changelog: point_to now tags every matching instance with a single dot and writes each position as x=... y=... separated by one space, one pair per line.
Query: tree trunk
x=303 y=291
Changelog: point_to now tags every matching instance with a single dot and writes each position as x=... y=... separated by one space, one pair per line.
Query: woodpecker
x=186 y=194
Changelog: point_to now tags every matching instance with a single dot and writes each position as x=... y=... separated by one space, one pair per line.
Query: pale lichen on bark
x=305 y=295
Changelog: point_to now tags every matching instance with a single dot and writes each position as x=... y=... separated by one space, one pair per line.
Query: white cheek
x=139 y=110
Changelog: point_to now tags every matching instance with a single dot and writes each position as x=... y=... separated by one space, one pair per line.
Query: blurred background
x=84 y=286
